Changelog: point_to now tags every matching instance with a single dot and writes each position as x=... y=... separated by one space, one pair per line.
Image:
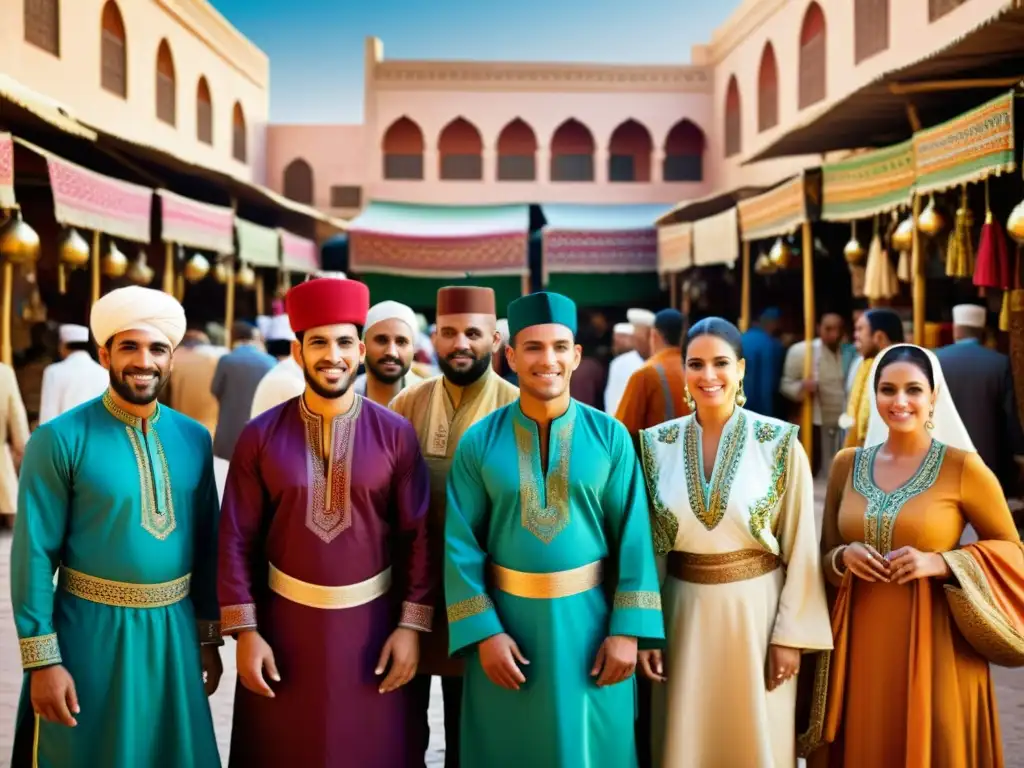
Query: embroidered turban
x=391 y=310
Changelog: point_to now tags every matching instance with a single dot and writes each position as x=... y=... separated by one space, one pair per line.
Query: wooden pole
x=259 y=294
x=169 y=268
x=745 y=289
x=673 y=290
x=229 y=303
x=7 y=348
x=95 y=266
x=917 y=271
x=807 y=412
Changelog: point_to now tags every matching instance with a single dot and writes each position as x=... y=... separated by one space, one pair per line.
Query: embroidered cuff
x=235 y=618
x=465 y=609
x=41 y=651
x=651 y=600
x=209 y=632
x=416 y=616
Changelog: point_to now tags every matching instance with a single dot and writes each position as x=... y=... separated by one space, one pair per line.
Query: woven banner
x=198 y=225
x=868 y=184
x=716 y=240
x=675 y=247
x=6 y=171
x=776 y=212
x=298 y=254
x=601 y=252
x=968 y=148
x=258 y=246
x=496 y=254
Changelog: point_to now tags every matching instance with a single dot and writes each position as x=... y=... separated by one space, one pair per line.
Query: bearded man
x=115 y=657
x=325 y=573
x=389 y=338
x=442 y=409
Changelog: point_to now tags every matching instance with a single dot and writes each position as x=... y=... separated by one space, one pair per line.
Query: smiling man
x=325 y=572
x=442 y=409
x=390 y=346
x=115 y=657
x=550 y=578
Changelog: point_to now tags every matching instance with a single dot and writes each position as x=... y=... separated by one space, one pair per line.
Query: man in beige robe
x=442 y=409
x=14 y=435
x=195 y=362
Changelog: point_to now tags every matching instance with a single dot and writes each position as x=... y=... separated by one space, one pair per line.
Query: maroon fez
x=466 y=300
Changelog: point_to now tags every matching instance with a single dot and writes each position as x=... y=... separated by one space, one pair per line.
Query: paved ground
x=1009 y=684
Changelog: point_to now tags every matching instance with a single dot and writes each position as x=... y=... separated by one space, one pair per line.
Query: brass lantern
x=220 y=272
x=246 y=276
x=781 y=254
x=74 y=254
x=853 y=251
x=930 y=222
x=196 y=268
x=19 y=243
x=764 y=265
x=903 y=238
x=1015 y=224
x=140 y=272
x=114 y=263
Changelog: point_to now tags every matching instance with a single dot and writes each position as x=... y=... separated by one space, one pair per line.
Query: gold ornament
x=903 y=237
x=74 y=250
x=19 y=243
x=689 y=399
x=1015 y=224
x=930 y=222
x=741 y=396
x=246 y=276
x=196 y=268
x=115 y=263
x=141 y=273
x=853 y=251
x=764 y=265
x=781 y=255
x=220 y=272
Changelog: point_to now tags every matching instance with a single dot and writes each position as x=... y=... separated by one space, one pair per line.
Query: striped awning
x=870 y=183
x=675 y=247
x=779 y=211
x=968 y=148
x=258 y=246
x=195 y=224
x=6 y=171
x=298 y=254
x=716 y=239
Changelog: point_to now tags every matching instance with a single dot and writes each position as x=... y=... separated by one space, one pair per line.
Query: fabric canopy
x=600 y=238
x=199 y=225
x=971 y=147
x=258 y=246
x=298 y=254
x=6 y=171
x=716 y=240
x=439 y=240
x=777 y=212
x=675 y=248
x=870 y=183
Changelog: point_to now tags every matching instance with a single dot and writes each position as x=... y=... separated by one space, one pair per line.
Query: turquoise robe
x=95 y=496
x=594 y=508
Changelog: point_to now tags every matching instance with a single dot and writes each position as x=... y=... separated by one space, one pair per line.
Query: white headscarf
x=949 y=428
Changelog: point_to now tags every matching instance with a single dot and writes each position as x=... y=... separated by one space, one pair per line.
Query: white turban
x=623 y=329
x=391 y=310
x=73 y=334
x=640 y=318
x=279 y=329
x=135 y=308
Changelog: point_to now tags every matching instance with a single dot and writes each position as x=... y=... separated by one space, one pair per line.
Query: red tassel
x=992 y=264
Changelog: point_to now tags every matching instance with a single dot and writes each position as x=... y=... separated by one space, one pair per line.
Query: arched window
x=460 y=150
x=768 y=90
x=238 y=134
x=629 y=153
x=733 y=119
x=42 y=24
x=114 y=52
x=812 y=57
x=298 y=181
x=870 y=28
x=517 y=152
x=403 y=150
x=684 y=153
x=572 y=152
x=939 y=8
x=166 y=90
x=204 y=112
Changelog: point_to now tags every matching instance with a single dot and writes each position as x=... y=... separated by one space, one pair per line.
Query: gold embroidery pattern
x=669 y=434
x=123 y=594
x=978 y=616
x=467 y=609
x=329 y=510
x=883 y=508
x=761 y=510
x=122 y=415
x=766 y=433
x=811 y=739
x=236 y=617
x=723 y=568
x=649 y=600
x=548 y=521
x=664 y=524
x=158 y=525
x=40 y=651
x=416 y=616
x=711 y=511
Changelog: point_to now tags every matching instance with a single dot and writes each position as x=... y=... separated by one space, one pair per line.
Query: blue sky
x=316 y=46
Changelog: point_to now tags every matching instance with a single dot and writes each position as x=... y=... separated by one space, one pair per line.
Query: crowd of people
x=607 y=566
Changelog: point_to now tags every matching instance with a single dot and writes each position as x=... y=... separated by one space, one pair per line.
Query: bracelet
x=835 y=569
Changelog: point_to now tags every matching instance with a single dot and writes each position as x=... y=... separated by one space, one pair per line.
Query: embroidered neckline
x=883 y=508
x=761 y=523
x=664 y=525
x=329 y=498
x=548 y=520
x=710 y=500
x=122 y=415
x=351 y=414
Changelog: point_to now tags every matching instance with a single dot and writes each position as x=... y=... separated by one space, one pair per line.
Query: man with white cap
x=76 y=379
x=389 y=338
x=623 y=366
x=119 y=498
x=980 y=382
x=285 y=380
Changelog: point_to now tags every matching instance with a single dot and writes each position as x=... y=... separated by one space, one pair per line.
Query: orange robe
x=655 y=392
x=907 y=684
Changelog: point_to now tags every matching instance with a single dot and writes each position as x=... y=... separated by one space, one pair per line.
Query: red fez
x=465 y=300
x=327 y=301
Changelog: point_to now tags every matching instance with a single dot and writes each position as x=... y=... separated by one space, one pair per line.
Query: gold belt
x=121 y=593
x=723 y=568
x=329 y=598
x=547 y=585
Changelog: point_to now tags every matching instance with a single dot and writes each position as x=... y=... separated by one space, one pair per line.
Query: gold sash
x=123 y=594
x=723 y=568
x=329 y=598
x=546 y=586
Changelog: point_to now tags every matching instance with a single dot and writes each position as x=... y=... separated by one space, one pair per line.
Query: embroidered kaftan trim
x=545 y=522
x=122 y=594
x=978 y=615
x=40 y=651
x=467 y=609
x=765 y=432
x=128 y=418
x=234 y=618
x=668 y=434
x=761 y=524
x=664 y=524
x=711 y=511
x=649 y=600
x=416 y=616
x=883 y=508
x=329 y=506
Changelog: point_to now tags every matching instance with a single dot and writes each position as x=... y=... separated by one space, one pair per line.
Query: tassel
x=903 y=271
x=880 y=280
x=960 y=250
x=992 y=268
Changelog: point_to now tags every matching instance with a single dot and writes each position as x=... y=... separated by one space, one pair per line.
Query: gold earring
x=689 y=399
x=929 y=425
x=741 y=397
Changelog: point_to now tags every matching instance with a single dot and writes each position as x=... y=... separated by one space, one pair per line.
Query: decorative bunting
x=298 y=254
x=778 y=211
x=258 y=246
x=198 y=225
x=868 y=184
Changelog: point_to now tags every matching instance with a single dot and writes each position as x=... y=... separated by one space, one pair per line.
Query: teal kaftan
x=95 y=497
x=503 y=510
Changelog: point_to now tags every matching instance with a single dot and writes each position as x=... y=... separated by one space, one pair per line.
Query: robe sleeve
x=831 y=539
x=802 y=618
x=472 y=617
x=636 y=605
x=17 y=424
x=987 y=600
x=48 y=396
x=204 y=568
x=44 y=499
x=632 y=409
x=217 y=384
x=792 y=383
x=240 y=545
x=411 y=498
